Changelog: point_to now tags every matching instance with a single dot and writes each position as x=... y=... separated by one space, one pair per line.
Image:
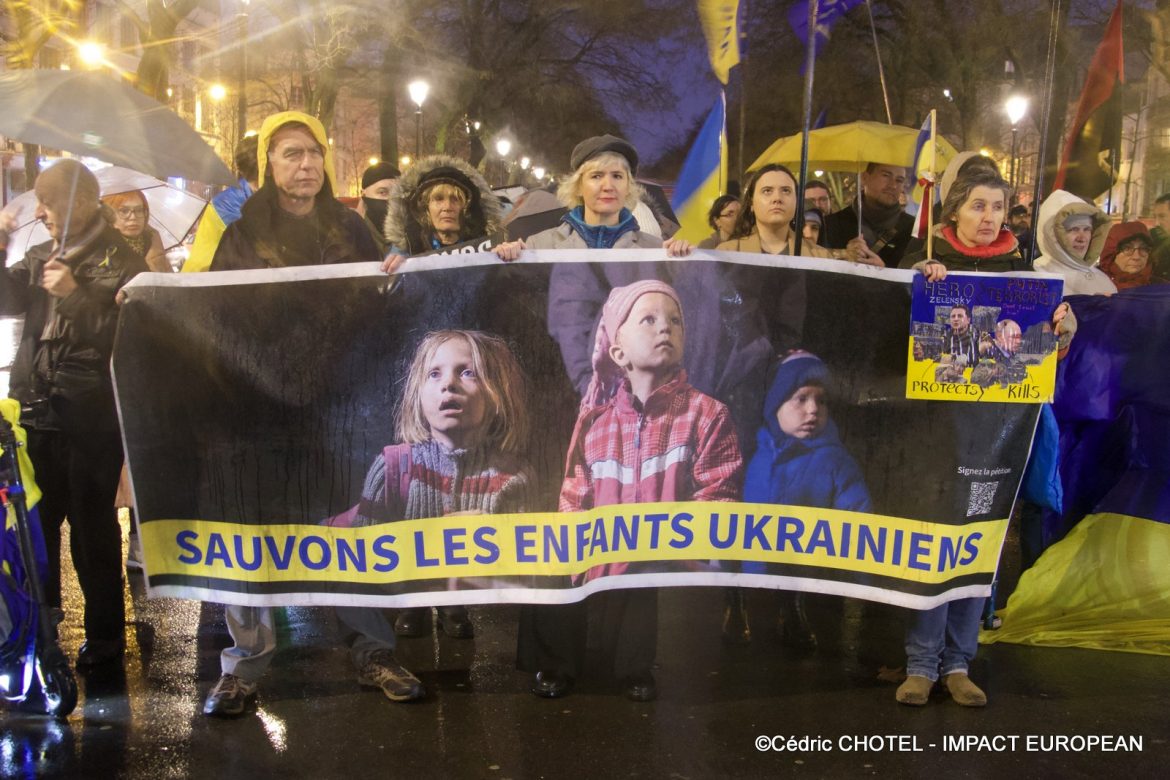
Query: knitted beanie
x=607 y=375
x=798 y=369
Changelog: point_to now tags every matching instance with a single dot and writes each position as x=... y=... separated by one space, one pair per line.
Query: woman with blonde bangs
x=131 y=219
x=601 y=195
x=439 y=202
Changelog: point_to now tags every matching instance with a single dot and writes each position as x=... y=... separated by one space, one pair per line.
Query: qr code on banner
x=982 y=494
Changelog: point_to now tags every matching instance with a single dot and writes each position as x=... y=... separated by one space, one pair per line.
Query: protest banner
x=268 y=465
x=980 y=337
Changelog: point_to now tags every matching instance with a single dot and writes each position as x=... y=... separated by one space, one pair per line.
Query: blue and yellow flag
x=703 y=176
x=718 y=18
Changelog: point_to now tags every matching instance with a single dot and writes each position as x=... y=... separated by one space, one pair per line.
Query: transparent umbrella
x=173 y=212
x=93 y=114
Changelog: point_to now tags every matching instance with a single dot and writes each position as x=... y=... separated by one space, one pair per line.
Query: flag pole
x=809 y=67
x=1046 y=114
x=928 y=201
x=857 y=181
x=743 y=50
x=723 y=152
x=881 y=70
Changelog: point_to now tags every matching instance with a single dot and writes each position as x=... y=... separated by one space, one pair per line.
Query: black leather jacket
x=61 y=374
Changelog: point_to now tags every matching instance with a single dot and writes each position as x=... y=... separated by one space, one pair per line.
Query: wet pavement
x=478 y=719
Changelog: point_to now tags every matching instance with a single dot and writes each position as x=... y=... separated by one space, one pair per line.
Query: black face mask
x=376 y=211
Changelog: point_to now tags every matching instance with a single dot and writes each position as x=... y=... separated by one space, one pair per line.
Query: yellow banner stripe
x=1037 y=387
x=541 y=544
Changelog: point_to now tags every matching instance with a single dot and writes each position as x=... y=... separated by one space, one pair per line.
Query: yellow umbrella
x=852 y=146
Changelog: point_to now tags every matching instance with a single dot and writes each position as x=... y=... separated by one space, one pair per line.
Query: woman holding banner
x=970 y=236
x=600 y=194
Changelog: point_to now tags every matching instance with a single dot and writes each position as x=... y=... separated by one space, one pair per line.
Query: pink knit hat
x=607 y=375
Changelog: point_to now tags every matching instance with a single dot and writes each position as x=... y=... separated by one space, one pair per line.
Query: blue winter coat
x=817 y=472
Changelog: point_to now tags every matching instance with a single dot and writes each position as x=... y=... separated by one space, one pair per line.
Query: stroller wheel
x=59 y=688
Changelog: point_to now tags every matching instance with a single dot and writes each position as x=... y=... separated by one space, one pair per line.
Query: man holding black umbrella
x=66 y=289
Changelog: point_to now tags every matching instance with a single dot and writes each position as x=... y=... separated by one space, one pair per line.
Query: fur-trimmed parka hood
x=1081 y=277
x=403 y=229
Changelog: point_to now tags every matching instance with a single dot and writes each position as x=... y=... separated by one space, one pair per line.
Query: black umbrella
x=535 y=210
x=92 y=114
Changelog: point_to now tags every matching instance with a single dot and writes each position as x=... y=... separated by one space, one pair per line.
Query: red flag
x=1096 y=129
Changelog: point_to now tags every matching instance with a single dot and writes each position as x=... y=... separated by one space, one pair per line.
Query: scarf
x=880 y=218
x=1005 y=243
x=600 y=236
x=376 y=210
x=139 y=243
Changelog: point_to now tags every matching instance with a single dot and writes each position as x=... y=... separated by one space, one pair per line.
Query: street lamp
x=91 y=53
x=538 y=172
x=217 y=92
x=524 y=163
x=503 y=146
x=1015 y=107
x=418 y=93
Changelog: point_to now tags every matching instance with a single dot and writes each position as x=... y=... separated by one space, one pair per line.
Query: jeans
x=253 y=632
x=945 y=638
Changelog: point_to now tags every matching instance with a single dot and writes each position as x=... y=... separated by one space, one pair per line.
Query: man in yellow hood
x=294 y=219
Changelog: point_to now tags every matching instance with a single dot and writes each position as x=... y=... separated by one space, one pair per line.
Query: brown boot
x=965 y=692
x=915 y=691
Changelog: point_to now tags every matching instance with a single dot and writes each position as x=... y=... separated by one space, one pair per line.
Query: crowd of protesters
x=620 y=329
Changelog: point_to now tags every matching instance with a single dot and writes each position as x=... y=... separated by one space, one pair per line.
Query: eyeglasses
x=1136 y=249
x=126 y=212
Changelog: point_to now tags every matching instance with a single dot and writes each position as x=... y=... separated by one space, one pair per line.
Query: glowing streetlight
x=373 y=161
x=503 y=146
x=538 y=172
x=418 y=90
x=91 y=53
x=404 y=161
x=524 y=163
x=217 y=92
x=1015 y=107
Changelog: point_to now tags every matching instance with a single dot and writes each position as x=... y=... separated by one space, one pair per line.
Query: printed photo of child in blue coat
x=800 y=461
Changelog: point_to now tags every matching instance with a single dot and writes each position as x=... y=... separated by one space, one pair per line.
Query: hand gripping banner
x=473 y=432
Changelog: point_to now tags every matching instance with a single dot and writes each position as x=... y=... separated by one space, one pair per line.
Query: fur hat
x=482 y=215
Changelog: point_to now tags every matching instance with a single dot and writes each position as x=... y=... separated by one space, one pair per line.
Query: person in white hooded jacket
x=1071 y=235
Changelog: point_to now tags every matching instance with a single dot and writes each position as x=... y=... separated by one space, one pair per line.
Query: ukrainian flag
x=718 y=18
x=703 y=176
x=1104 y=580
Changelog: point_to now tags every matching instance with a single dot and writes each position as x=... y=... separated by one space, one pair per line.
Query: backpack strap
x=398 y=464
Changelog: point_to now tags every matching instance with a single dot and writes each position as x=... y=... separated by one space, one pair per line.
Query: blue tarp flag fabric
x=1104 y=580
x=828 y=12
x=1113 y=407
